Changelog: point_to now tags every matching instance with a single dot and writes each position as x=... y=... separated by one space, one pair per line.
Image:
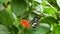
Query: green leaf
x=14 y=29
x=56 y=30
x=49 y=10
x=41 y=30
x=18 y=7
x=53 y=2
x=3 y=1
x=26 y=14
x=1 y=7
x=31 y=16
x=36 y=3
x=48 y=20
x=43 y=3
x=4 y=30
x=6 y=18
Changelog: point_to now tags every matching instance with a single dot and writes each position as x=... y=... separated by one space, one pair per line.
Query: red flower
x=25 y=23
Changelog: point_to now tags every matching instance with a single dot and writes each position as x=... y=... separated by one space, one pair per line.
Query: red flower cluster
x=25 y=23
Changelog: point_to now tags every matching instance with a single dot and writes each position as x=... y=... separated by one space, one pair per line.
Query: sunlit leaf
x=49 y=10
x=58 y=2
x=56 y=30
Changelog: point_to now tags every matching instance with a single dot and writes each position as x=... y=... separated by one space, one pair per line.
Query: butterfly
x=35 y=22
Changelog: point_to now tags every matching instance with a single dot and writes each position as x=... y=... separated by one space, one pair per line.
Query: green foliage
x=41 y=30
x=4 y=30
x=49 y=20
x=56 y=30
x=18 y=7
x=3 y=1
x=49 y=10
x=6 y=18
x=16 y=10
